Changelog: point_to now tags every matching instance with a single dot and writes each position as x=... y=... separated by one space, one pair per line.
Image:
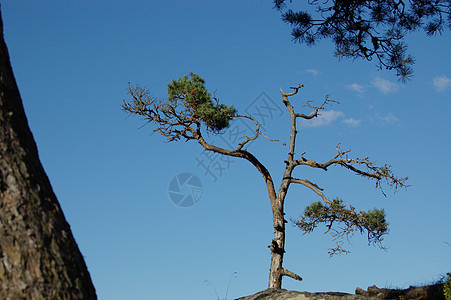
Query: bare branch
x=257 y=133
x=288 y=273
x=296 y=89
x=172 y=122
x=339 y=245
x=272 y=140
x=313 y=187
x=361 y=166
x=316 y=109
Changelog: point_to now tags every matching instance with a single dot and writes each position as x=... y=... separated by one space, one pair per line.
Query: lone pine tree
x=190 y=110
x=39 y=258
x=367 y=28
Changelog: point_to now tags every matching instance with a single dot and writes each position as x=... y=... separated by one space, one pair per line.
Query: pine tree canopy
x=191 y=89
x=189 y=105
x=368 y=28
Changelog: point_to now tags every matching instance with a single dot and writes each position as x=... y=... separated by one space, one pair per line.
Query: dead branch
x=307 y=104
x=313 y=187
x=296 y=89
x=339 y=245
x=288 y=273
x=256 y=135
x=316 y=109
x=361 y=166
x=171 y=121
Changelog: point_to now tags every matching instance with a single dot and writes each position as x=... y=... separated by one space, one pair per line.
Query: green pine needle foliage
x=447 y=288
x=341 y=222
x=196 y=99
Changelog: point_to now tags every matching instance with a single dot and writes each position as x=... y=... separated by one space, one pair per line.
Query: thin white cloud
x=324 y=118
x=314 y=72
x=352 y=122
x=441 y=83
x=389 y=119
x=383 y=85
x=356 y=88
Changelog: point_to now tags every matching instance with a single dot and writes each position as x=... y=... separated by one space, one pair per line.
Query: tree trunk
x=39 y=258
x=277 y=247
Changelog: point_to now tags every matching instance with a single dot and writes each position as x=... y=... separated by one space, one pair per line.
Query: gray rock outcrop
x=281 y=294
x=427 y=292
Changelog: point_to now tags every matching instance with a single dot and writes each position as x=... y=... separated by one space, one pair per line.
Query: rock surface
x=281 y=294
x=428 y=292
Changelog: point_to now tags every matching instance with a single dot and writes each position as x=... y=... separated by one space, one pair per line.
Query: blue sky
x=73 y=61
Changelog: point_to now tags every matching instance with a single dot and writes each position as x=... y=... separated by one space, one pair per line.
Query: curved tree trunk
x=39 y=258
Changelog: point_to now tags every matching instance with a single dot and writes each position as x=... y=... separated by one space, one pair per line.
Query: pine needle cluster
x=341 y=222
x=191 y=89
x=368 y=28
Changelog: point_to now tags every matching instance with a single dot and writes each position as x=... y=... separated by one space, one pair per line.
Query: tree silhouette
x=182 y=117
x=368 y=28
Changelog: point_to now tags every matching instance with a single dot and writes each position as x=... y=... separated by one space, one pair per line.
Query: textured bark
x=277 y=248
x=39 y=258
